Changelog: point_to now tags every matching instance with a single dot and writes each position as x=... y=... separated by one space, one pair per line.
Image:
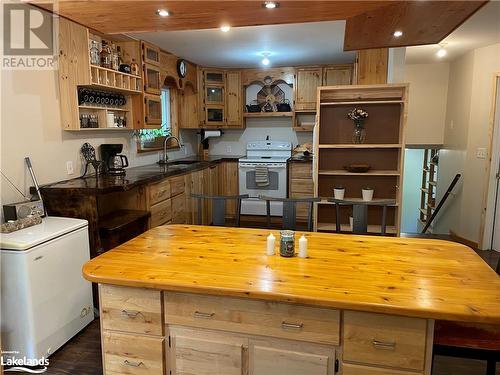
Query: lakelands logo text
x=11 y=362
x=28 y=41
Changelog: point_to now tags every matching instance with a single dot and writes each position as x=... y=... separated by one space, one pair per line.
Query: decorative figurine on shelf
x=358 y=116
x=88 y=152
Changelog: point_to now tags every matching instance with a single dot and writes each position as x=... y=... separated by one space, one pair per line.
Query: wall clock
x=181 y=68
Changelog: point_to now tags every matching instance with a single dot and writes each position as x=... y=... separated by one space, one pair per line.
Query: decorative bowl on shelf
x=357 y=168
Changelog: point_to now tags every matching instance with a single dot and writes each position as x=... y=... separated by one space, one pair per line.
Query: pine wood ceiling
x=370 y=24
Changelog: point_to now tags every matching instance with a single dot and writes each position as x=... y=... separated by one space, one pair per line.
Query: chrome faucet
x=165 y=148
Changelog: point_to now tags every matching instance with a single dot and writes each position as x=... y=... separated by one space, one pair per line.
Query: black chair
x=290 y=211
x=360 y=213
x=219 y=207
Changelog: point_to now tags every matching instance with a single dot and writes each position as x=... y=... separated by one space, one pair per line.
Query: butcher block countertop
x=400 y=276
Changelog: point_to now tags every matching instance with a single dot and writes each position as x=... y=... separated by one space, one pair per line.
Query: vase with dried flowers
x=358 y=116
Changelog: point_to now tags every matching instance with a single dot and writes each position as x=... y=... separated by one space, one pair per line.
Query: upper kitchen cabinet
x=152 y=83
x=95 y=95
x=220 y=99
x=234 y=105
x=151 y=54
x=335 y=75
x=307 y=82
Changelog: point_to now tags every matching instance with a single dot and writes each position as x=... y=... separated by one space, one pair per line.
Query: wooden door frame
x=487 y=215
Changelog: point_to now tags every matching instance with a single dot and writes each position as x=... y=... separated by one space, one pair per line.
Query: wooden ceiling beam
x=422 y=22
x=370 y=23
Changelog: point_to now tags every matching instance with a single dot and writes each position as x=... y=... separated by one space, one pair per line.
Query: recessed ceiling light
x=441 y=52
x=398 y=33
x=265 y=61
x=162 y=13
x=271 y=4
x=225 y=28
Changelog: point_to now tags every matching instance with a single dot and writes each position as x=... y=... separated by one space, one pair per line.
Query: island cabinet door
x=284 y=357
x=203 y=352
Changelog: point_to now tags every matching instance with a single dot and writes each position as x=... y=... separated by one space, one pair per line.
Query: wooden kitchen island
x=198 y=300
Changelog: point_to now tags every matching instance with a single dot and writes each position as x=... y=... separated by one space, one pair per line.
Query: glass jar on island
x=287 y=243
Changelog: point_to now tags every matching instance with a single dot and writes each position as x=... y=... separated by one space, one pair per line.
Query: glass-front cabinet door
x=214 y=95
x=214 y=77
x=152 y=84
x=215 y=115
x=151 y=54
x=152 y=111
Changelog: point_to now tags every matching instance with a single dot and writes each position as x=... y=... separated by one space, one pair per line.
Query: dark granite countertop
x=134 y=177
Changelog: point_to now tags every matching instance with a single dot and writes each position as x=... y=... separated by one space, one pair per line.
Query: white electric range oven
x=272 y=155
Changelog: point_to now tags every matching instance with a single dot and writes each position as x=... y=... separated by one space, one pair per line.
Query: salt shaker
x=303 y=247
x=270 y=244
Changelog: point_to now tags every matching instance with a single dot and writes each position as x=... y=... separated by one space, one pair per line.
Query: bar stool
x=219 y=207
x=360 y=213
x=290 y=211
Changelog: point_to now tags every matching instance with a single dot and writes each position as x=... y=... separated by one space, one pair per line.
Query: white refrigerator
x=45 y=299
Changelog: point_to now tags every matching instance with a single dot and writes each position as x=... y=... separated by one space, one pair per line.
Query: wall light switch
x=481 y=153
x=69 y=167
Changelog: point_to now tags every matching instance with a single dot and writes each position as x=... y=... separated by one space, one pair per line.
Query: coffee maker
x=114 y=162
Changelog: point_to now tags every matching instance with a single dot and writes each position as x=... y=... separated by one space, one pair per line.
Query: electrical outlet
x=228 y=149
x=481 y=153
x=69 y=167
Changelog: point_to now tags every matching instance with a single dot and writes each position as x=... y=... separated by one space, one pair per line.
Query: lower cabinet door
x=206 y=353
x=282 y=357
x=126 y=354
x=351 y=369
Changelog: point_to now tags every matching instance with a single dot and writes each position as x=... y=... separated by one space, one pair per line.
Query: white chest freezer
x=45 y=299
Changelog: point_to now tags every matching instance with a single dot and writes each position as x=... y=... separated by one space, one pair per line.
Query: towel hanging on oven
x=261 y=176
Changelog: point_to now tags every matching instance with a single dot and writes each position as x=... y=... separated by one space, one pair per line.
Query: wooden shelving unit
x=428 y=189
x=76 y=72
x=113 y=80
x=383 y=150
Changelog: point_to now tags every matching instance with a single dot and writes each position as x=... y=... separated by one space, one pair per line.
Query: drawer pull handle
x=132 y=314
x=384 y=345
x=286 y=325
x=203 y=315
x=133 y=364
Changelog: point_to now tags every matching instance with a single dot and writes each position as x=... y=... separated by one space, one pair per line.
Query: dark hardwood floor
x=82 y=355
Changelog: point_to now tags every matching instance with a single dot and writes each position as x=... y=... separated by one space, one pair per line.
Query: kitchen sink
x=178 y=163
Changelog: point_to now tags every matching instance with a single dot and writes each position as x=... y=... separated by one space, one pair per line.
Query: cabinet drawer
x=159 y=192
x=132 y=354
x=301 y=170
x=350 y=369
x=385 y=340
x=176 y=185
x=161 y=213
x=254 y=317
x=131 y=310
x=301 y=187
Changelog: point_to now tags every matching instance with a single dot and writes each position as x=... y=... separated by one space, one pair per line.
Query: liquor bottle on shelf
x=114 y=57
x=94 y=53
x=105 y=55
x=134 y=68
